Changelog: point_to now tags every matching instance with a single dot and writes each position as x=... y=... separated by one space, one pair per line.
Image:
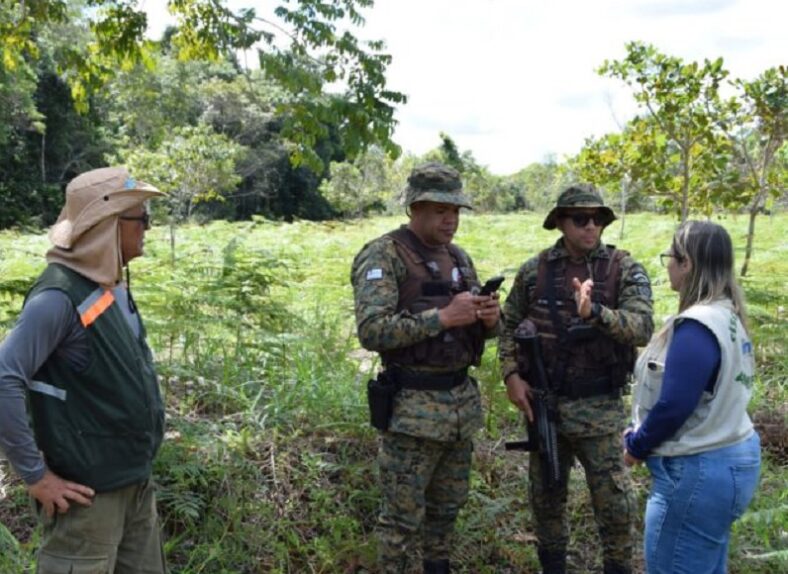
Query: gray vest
x=721 y=418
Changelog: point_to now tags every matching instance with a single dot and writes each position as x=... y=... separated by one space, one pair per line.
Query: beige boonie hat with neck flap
x=95 y=196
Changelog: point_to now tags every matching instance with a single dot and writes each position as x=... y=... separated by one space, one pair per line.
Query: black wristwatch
x=596 y=310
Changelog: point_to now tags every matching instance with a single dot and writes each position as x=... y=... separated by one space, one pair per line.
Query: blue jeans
x=693 y=502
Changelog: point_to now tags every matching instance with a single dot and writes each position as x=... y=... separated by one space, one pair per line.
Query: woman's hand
x=629 y=460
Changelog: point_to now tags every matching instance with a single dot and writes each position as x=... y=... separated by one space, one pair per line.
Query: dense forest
x=305 y=131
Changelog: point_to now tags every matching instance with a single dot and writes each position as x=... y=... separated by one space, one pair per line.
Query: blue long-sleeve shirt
x=691 y=367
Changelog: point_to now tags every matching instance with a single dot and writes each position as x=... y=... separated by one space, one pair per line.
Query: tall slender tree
x=678 y=97
x=756 y=123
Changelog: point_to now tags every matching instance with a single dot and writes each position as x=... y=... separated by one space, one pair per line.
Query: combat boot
x=436 y=566
x=552 y=561
x=616 y=568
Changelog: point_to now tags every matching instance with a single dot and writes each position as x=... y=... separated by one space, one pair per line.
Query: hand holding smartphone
x=491 y=285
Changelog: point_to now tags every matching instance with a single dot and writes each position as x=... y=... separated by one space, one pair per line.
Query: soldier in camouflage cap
x=577 y=196
x=415 y=305
x=592 y=306
x=435 y=182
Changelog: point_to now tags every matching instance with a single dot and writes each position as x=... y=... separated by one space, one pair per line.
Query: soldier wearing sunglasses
x=592 y=306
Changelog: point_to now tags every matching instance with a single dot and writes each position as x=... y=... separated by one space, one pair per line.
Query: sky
x=514 y=81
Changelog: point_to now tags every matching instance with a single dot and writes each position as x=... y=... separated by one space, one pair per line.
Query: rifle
x=542 y=433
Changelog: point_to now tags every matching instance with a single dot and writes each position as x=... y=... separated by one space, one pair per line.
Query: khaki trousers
x=118 y=534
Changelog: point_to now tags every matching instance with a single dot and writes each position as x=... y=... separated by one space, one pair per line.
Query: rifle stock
x=542 y=433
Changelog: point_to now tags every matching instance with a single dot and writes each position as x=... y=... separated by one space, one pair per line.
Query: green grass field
x=268 y=466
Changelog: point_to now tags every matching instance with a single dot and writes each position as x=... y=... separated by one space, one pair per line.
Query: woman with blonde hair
x=691 y=426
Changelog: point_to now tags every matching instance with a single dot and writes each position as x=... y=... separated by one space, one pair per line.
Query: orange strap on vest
x=95 y=304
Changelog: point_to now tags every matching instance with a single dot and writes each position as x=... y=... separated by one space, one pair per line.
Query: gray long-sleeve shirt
x=48 y=325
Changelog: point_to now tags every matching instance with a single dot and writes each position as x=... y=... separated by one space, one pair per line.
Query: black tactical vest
x=434 y=276
x=576 y=354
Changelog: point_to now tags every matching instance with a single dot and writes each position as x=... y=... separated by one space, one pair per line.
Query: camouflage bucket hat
x=435 y=182
x=579 y=195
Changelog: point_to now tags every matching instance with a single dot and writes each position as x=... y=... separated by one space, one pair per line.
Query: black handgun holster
x=380 y=396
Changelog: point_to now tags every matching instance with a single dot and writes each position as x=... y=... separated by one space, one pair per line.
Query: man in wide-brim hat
x=591 y=305
x=79 y=354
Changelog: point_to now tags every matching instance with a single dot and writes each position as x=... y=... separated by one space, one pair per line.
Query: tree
x=450 y=154
x=194 y=165
x=756 y=124
x=679 y=98
x=44 y=142
x=303 y=49
x=487 y=192
x=373 y=182
x=618 y=161
x=540 y=184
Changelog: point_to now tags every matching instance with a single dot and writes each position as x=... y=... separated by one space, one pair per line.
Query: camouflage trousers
x=612 y=497
x=424 y=484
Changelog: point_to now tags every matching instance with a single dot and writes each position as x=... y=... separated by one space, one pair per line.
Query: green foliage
x=134 y=96
x=43 y=141
x=541 y=183
x=488 y=192
x=756 y=124
x=209 y=30
x=143 y=106
x=687 y=160
x=371 y=184
x=617 y=163
x=192 y=165
x=19 y=24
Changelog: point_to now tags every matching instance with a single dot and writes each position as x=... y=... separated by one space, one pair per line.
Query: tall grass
x=268 y=464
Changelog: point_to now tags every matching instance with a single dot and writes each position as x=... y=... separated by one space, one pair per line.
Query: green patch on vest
x=745 y=379
x=733 y=327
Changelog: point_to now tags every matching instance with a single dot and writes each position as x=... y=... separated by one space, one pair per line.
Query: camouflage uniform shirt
x=376 y=275
x=630 y=323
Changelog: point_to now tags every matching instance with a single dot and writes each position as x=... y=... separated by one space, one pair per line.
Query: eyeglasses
x=665 y=257
x=582 y=219
x=144 y=218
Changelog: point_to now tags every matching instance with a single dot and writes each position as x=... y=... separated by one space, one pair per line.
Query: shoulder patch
x=376 y=273
x=638 y=275
x=638 y=278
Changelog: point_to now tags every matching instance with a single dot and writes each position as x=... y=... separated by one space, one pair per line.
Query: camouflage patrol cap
x=435 y=182
x=579 y=195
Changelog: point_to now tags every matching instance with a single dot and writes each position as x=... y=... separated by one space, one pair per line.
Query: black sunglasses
x=144 y=218
x=582 y=219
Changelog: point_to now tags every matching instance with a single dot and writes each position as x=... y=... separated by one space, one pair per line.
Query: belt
x=585 y=389
x=427 y=381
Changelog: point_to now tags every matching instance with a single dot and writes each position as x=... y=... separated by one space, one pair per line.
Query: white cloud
x=525 y=70
x=515 y=80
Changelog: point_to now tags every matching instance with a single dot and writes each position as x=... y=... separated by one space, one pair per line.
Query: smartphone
x=492 y=285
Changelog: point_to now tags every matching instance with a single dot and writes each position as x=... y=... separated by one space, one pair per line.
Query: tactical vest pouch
x=436 y=288
x=380 y=396
x=581 y=333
